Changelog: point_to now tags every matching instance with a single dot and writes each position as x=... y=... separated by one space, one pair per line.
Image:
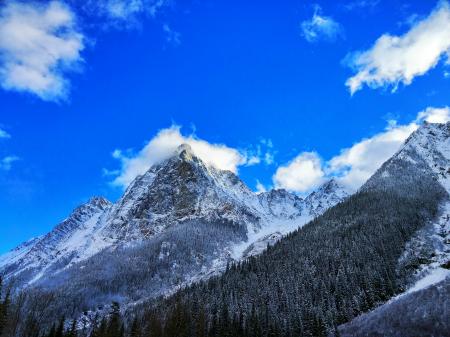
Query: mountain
x=327 y=264
x=423 y=312
x=423 y=309
x=69 y=241
x=180 y=222
x=390 y=237
x=326 y=196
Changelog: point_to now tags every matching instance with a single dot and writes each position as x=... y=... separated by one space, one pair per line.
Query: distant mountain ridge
x=180 y=195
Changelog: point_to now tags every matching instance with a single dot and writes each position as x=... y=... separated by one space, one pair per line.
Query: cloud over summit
x=166 y=141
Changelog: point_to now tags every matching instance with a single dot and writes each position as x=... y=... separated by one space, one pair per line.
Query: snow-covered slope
x=71 y=240
x=426 y=150
x=289 y=212
x=326 y=196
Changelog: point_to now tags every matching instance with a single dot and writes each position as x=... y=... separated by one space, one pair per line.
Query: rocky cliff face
x=178 y=189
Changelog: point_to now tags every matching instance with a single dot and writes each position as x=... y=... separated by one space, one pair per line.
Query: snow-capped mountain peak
x=326 y=196
x=185 y=151
x=68 y=241
x=426 y=151
x=431 y=143
x=178 y=193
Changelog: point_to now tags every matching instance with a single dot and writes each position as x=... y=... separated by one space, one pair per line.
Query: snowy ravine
x=179 y=199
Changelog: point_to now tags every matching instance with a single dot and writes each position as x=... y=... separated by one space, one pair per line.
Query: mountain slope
x=425 y=262
x=180 y=222
x=69 y=241
x=421 y=313
x=344 y=262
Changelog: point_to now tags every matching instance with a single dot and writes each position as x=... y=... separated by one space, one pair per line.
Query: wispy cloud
x=320 y=27
x=361 y=4
x=260 y=188
x=39 y=45
x=399 y=59
x=172 y=36
x=355 y=164
x=124 y=13
x=4 y=134
x=6 y=162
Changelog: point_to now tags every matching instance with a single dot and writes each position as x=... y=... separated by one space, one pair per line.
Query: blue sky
x=106 y=88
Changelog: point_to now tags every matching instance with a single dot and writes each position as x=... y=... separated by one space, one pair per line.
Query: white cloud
x=39 y=44
x=254 y=160
x=125 y=11
x=399 y=59
x=301 y=174
x=434 y=115
x=260 y=188
x=269 y=158
x=4 y=134
x=361 y=4
x=172 y=36
x=262 y=152
x=354 y=165
x=164 y=144
x=6 y=162
x=320 y=27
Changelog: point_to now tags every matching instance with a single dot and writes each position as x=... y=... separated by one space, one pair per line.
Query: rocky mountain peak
x=178 y=193
x=99 y=202
x=425 y=153
x=330 y=186
x=427 y=137
x=327 y=195
x=281 y=193
x=185 y=151
x=87 y=209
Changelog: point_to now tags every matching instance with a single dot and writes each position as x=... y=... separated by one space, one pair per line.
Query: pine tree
x=115 y=326
x=60 y=330
x=135 y=330
x=3 y=309
x=200 y=323
x=99 y=330
x=73 y=329
x=154 y=327
x=52 y=331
